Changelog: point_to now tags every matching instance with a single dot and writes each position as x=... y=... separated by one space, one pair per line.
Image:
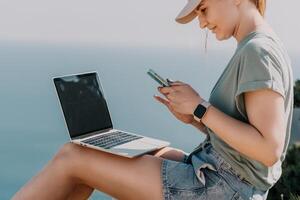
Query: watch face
x=200 y=111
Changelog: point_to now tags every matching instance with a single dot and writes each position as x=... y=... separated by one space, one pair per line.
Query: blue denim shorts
x=214 y=179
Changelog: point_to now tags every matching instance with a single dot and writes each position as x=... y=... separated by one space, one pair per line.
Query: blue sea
x=32 y=127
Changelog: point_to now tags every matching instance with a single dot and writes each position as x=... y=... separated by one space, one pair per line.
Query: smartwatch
x=201 y=110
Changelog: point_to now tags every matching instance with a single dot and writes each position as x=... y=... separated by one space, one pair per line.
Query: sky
x=131 y=23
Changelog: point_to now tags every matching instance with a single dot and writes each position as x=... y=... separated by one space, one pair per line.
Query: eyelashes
x=201 y=10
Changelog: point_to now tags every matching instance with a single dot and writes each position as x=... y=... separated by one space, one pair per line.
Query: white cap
x=188 y=13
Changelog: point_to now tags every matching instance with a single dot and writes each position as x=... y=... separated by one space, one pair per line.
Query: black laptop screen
x=83 y=103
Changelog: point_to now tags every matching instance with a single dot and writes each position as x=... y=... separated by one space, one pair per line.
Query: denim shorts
x=214 y=179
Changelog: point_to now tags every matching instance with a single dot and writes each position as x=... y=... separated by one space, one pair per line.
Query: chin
x=219 y=37
x=222 y=37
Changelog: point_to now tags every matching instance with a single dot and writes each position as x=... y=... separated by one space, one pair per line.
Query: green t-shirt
x=260 y=61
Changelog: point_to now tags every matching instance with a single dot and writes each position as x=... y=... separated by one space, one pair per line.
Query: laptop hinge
x=91 y=134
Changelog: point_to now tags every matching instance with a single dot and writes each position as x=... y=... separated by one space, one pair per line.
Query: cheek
x=225 y=19
x=226 y=27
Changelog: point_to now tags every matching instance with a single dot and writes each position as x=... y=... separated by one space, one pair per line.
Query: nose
x=202 y=21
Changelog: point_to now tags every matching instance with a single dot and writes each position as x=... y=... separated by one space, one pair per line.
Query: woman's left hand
x=182 y=97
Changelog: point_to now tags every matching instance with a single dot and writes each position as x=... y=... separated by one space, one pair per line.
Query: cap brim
x=187 y=14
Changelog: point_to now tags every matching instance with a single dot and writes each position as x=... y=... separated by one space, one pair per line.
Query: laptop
x=89 y=122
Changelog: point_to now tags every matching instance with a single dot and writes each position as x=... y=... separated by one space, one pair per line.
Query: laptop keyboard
x=110 y=140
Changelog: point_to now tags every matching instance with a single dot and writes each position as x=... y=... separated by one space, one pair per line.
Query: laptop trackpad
x=133 y=147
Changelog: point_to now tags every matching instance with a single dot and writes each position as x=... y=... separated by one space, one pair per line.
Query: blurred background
x=121 y=40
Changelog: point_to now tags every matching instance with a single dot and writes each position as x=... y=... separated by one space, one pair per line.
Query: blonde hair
x=260 y=5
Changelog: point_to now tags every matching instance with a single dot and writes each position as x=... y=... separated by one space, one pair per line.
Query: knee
x=66 y=155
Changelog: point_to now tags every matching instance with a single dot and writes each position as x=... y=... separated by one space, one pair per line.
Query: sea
x=32 y=126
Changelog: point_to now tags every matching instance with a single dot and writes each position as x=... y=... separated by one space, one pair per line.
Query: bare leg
x=170 y=154
x=45 y=184
x=83 y=191
x=117 y=176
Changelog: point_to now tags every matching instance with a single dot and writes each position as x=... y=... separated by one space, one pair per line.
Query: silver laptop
x=88 y=120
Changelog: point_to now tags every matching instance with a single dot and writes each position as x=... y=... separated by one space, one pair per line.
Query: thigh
x=170 y=153
x=120 y=177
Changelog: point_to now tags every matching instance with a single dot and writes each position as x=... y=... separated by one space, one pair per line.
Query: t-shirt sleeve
x=258 y=69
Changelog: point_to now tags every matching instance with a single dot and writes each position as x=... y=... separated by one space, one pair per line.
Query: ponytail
x=260 y=5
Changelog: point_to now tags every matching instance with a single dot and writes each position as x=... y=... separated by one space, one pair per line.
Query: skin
x=76 y=171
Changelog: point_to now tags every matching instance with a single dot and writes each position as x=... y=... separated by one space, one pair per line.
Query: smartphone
x=158 y=78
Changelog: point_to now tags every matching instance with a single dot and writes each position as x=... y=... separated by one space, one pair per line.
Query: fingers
x=165 y=90
x=171 y=93
x=173 y=83
x=168 y=94
x=161 y=100
x=167 y=103
x=174 y=87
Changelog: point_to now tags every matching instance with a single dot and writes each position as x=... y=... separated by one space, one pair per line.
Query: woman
x=247 y=122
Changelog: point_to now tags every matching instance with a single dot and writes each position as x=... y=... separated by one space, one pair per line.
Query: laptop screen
x=83 y=103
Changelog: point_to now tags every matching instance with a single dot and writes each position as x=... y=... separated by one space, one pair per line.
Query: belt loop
x=200 y=147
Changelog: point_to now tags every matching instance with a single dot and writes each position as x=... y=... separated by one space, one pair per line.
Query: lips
x=214 y=29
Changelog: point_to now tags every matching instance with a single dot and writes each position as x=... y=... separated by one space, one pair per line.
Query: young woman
x=247 y=122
